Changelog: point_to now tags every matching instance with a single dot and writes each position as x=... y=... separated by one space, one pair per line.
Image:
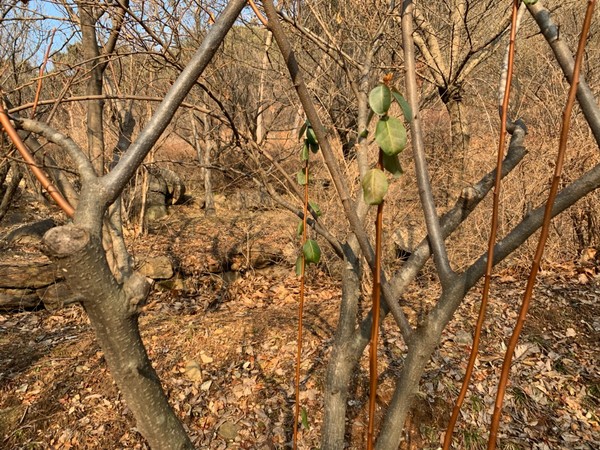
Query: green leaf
x=392 y=165
x=301 y=177
x=299 y=265
x=304 y=152
x=303 y=129
x=530 y=2
x=315 y=208
x=390 y=135
x=314 y=148
x=311 y=137
x=380 y=99
x=305 y=419
x=375 y=186
x=311 y=252
x=300 y=228
x=406 y=109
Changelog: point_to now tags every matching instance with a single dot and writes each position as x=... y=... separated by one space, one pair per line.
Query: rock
x=18 y=299
x=157 y=268
x=165 y=188
x=193 y=371
x=463 y=338
x=229 y=430
x=30 y=233
x=57 y=296
x=25 y=275
x=172 y=284
x=259 y=258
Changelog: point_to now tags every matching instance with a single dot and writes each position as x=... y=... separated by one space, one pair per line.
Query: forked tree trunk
x=113 y=310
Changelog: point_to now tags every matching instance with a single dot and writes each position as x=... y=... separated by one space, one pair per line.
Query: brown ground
x=224 y=346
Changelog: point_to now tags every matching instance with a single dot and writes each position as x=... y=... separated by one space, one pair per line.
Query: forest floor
x=224 y=345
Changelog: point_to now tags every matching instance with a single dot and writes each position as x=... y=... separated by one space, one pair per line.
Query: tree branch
x=431 y=218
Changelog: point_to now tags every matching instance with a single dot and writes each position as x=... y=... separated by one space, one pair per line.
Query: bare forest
x=269 y=224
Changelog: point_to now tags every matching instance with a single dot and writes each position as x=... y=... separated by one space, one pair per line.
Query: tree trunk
x=91 y=53
x=8 y=192
x=113 y=311
x=343 y=359
x=420 y=348
x=459 y=146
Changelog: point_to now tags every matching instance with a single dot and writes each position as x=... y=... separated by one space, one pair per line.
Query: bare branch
x=425 y=192
x=115 y=181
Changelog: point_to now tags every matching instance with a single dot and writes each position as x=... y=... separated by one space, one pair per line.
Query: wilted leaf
x=375 y=186
x=301 y=177
x=392 y=165
x=300 y=228
x=311 y=137
x=304 y=154
x=303 y=129
x=380 y=99
x=390 y=135
x=315 y=208
x=305 y=419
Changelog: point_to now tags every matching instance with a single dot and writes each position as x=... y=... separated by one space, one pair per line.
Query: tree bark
x=343 y=359
x=113 y=311
x=459 y=146
x=91 y=53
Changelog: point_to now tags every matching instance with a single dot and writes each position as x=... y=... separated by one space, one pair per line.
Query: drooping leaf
x=300 y=228
x=304 y=415
x=301 y=177
x=380 y=99
x=303 y=129
x=299 y=265
x=311 y=137
x=304 y=152
x=315 y=208
x=390 y=135
x=406 y=109
x=314 y=148
x=311 y=252
x=375 y=186
x=392 y=165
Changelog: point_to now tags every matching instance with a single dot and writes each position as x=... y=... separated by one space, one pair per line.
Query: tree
x=113 y=298
x=91 y=249
x=422 y=340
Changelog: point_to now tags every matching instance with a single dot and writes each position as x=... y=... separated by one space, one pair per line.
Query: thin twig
x=376 y=317
x=26 y=154
x=301 y=308
x=330 y=160
x=562 y=146
x=507 y=78
x=42 y=70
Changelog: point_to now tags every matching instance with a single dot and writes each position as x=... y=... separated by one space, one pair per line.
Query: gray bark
x=113 y=310
x=344 y=359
